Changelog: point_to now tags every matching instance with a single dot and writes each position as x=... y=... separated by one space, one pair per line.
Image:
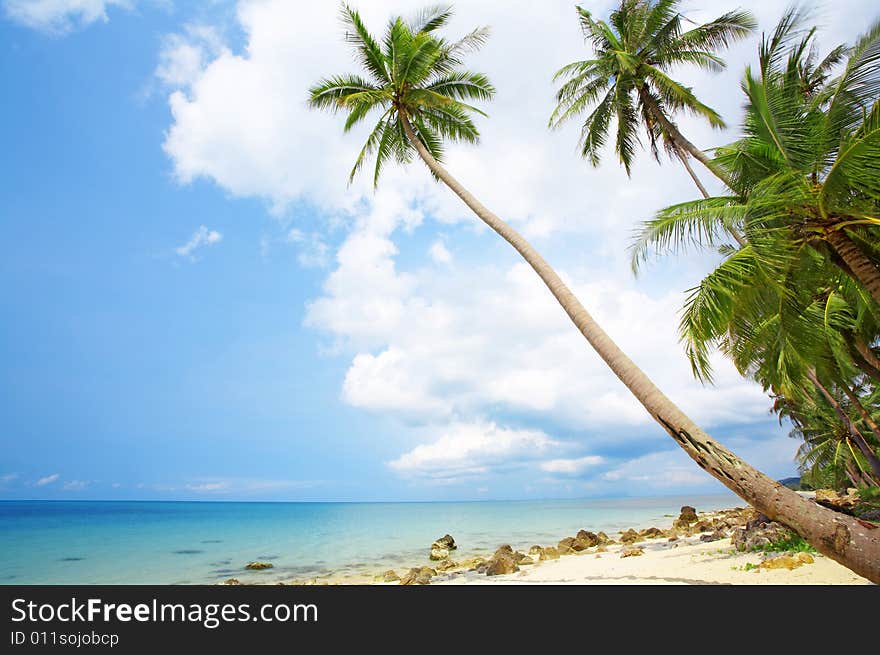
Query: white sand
x=686 y=561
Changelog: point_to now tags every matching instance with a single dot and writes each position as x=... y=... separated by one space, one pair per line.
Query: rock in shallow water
x=438 y=554
x=473 y=563
x=687 y=516
x=445 y=542
x=259 y=566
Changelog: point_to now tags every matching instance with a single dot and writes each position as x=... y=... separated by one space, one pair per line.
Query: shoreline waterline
x=147 y=542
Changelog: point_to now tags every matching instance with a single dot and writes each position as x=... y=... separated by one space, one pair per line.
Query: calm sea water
x=197 y=543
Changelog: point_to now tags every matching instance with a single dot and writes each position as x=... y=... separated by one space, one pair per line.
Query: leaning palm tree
x=806 y=173
x=628 y=79
x=415 y=82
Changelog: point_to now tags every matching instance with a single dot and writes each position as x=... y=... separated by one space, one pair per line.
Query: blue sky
x=197 y=306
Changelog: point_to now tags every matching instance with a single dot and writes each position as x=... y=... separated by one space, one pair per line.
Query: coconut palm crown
x=412 y=75
x=628 y=77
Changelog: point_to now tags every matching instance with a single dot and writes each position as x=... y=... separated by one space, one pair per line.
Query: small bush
x=869 y=493
x=793 y=544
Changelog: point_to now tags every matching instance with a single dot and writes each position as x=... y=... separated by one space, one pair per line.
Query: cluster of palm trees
x=794 y=302
x=796 y=299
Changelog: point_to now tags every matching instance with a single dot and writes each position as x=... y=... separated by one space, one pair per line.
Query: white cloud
x=182 y=57
x=312 y=251
x=200 y=238
x=60 y=15
x=439 y=253
x=8 y=478
x=660 y=470
x=485 y=338
x=571 y=466
x=440 y=346
x=467 y=449
x=49 y=479
x=75 y=485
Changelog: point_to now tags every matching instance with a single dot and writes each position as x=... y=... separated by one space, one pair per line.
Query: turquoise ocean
x=207 y=542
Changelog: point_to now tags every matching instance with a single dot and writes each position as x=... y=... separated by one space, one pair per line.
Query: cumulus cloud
x=201 y=238
x=468 y=449
x=484 y=339
x=58 y=16
x=49 y=479
x=183 y=56
x=441 y=346
x=75 y=485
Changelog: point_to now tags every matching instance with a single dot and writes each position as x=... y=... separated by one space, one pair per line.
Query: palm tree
x=827 y=453
x=806 y=173
x=415 y=82
x=628 y=79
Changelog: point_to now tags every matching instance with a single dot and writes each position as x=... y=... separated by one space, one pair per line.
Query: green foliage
x=793 y=544
x=412 y=76
x=748 y=566
x=824 y=476
x=783 y=304
x=870 y=494
x=627 y=80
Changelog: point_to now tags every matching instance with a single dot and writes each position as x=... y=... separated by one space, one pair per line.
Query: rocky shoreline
x=728 y=531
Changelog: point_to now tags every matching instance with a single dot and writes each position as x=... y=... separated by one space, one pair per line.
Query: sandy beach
x=678 y=555
x=688 y=561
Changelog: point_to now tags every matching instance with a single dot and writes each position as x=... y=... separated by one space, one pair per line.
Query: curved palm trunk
x=840 y=537
x=687 y=166
x=684 y=148
x=679 y=139
x=862 y=268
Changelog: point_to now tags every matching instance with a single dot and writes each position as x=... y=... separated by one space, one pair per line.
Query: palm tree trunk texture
x=854 y=431
x=853 y=543
x=862 y=268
